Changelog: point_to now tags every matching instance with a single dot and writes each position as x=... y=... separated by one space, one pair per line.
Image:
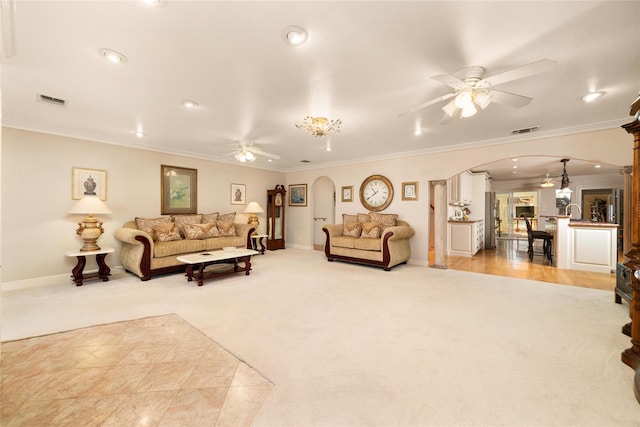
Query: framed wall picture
x=238 y=194
x=88 y=182
x=179 y=190
x=347 y=193
x=410 y=190
x=298 y=195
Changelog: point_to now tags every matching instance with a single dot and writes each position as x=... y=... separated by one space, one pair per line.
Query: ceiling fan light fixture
x=450 y=109
x=483 y=99
x=250 y=156
x=468 y=111
x=463 y=100
x=548 y=182
x=240 y=157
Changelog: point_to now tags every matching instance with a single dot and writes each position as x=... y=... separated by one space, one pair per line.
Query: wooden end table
x=203 y=259
x=258 y=239
x=103 y=272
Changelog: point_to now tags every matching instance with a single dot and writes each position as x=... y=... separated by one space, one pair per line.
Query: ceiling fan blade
x=265 y=154
x=518 y=73
x=509 y=99
x=428 y=103
x=450 y=80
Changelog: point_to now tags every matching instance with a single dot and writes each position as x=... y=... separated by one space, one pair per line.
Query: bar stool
x=547 y=241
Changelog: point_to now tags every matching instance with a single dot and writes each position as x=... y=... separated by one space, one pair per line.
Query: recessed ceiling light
x=190 y=104
x=294 y=35
x=151 y=2
x=140 y=134
x=515 y=166
x=418 y=132
x=112 y=55
x=590 y=97
x=515 y=159
x=597 y=166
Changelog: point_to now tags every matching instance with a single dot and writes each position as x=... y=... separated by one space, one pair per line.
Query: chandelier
x=320 y=126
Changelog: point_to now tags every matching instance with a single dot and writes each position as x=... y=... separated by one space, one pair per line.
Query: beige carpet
x=347 y=345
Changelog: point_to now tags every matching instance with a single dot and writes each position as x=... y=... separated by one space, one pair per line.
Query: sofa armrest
x=333 y=230
x=399 y=232
x=130 y=235
x=245 y=231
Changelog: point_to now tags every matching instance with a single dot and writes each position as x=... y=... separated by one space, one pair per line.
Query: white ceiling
x=364 y=62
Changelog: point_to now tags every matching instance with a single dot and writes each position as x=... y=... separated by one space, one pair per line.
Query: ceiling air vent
x=525 y=130
x=305 y=161
x=51 y=100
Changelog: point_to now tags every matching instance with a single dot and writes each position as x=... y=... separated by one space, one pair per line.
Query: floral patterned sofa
x=372 y=239
x=150 y=246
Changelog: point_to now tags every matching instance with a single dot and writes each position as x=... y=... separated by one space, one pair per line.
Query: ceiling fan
x=248 y=152
x=471 y=89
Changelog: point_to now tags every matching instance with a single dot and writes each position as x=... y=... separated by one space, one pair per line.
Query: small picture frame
x=88 y=182
x=238 y=194
x=410 y=191
x=347 y=193
x=298 y=195
x=179 y=190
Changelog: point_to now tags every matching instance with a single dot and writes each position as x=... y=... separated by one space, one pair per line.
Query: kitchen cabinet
x=465 y=238
x=460 y=189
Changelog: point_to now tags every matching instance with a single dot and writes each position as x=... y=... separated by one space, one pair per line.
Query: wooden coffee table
x=201 y=260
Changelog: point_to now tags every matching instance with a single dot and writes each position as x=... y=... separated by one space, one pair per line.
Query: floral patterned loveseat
x=150 y=246
x=372 y=239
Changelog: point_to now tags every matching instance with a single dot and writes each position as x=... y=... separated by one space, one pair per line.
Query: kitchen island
x=583 y=245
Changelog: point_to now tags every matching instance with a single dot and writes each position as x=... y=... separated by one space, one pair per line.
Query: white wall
x=36 y=193
x=36 y=189
x=612 y=146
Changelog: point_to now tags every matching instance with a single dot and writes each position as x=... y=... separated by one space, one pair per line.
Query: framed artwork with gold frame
x=179 y=190
x=410 y=190
x=347 y=193
x=298 y=195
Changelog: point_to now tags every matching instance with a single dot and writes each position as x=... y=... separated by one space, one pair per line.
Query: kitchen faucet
x=566 y=208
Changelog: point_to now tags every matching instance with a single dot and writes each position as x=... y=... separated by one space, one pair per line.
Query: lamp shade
x=89 y=205
x=253 y=207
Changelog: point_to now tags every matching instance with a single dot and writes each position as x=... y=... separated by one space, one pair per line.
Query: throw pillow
x=181 y=220
x=363 y=217
x=346 y=218
x=200 y=231
x=210 y=218
x=227 y=217
x=147 y=224
x=387 y=220
x=371 y=230
x=166 y=232
x=226 y=228
x=352 y=229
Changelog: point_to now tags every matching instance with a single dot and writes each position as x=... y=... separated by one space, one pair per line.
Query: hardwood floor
x=510 y=259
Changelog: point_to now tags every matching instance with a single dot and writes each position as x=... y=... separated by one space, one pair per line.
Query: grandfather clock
x=631 y=356
x=275 y=218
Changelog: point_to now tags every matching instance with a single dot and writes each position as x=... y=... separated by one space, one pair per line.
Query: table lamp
x=252 y=209
x=90 y=228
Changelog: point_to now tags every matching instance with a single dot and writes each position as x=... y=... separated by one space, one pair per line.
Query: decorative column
x=440 y=219
x=631 y=356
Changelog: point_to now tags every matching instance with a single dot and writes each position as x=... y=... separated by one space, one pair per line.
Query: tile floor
x=152 y=371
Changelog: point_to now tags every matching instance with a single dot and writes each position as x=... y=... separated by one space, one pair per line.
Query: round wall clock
x=376 y=193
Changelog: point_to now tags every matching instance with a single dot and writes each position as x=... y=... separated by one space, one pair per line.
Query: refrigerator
x=490 y=213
